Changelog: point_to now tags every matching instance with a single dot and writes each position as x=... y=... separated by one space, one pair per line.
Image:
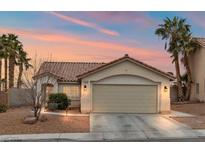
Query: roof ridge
x=199 y=37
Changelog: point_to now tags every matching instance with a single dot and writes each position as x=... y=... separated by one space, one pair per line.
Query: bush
x=52 y=106
x=60 y=99
x=3 y=108
x=61 y=106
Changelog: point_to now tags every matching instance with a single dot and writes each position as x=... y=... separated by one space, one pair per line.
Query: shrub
x=61 y=99
x=61 y=106
x=52 y=106
x=3 y=108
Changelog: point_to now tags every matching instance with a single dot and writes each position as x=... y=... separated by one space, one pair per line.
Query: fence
x=173 y=94
x=19 y=97
x=4 y=98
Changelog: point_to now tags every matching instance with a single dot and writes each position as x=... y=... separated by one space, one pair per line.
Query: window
x=197 y=88
x=72 y=91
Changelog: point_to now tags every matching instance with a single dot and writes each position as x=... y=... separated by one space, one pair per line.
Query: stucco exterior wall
x=197 y=64
x=125 y=73
x=47 y=80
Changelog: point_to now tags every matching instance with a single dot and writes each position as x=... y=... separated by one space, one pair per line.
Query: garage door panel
x=125 y=98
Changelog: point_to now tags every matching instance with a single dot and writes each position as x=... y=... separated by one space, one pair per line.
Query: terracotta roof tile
x=72 y=71
x=200 y=40
x=66 y=71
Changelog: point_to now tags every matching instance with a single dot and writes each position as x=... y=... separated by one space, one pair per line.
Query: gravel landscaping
x=11 y=123
x=198 y=109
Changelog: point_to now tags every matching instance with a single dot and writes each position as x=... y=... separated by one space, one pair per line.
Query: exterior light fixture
x=165 y=89
x=85 y=87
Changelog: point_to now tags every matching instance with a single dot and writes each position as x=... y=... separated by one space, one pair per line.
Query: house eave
x=123 y=59
x=68 y=82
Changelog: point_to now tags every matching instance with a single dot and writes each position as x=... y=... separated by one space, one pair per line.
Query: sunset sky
x=96 y=36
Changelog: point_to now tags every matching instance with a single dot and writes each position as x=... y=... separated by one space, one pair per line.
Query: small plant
x=60 y=99
x=3 y=108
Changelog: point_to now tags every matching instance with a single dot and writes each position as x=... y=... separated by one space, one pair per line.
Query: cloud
x=85 y=24
x=140 y=18
x=76 y=48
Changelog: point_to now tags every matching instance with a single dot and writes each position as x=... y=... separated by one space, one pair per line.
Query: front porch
x=72 y=90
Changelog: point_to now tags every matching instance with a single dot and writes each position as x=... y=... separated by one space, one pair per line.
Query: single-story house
x=125 y=85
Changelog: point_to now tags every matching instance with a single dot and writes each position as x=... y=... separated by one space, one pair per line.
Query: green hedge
x=60 y=99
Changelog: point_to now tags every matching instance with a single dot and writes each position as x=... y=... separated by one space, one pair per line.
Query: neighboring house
x=125 y=85
x=197 y=65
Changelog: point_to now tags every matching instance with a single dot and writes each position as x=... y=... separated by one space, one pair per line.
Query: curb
x=100 y=137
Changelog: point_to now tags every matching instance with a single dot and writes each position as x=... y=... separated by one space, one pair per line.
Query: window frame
x=73 y=89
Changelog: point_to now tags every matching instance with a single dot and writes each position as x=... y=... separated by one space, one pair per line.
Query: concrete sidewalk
x=107 y=136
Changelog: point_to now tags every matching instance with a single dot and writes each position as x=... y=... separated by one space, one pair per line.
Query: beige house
x=197 y=65
x=125 y=85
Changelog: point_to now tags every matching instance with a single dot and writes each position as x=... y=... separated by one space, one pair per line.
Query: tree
x=1 y=57
x=171 y=31
x=184 y=80
x=5 y=56
x=14 y=45
x=30 y=83
x=11 y=50
x=23 y=63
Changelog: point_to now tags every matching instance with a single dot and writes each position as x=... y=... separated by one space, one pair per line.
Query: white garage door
x=124 y=98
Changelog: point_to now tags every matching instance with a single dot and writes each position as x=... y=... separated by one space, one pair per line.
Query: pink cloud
x=85 y=24
x=75 y=48
x=122 y=17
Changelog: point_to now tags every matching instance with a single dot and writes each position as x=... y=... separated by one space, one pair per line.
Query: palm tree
x=22 y=62
x=171 y=31
x=11 y=51
x=5 y=56
x=14 y=46
x=1 y=56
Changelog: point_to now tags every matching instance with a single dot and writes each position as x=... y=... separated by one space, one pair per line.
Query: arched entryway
x=47 y=89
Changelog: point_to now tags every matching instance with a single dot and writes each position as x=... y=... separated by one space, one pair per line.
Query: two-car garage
x=125 y=98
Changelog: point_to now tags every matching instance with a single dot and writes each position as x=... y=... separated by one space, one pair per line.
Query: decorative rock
x=43 y=118
x=29 y=120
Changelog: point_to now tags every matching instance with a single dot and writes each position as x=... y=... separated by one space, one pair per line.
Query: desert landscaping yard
x=197 y=109
x=11 y=123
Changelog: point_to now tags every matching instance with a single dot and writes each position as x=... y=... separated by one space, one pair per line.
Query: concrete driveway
x=140 y=126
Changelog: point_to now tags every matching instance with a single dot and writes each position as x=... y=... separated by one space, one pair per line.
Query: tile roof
x=200 y=40
x=66 y=71
x=126 y=57
x=72 y=71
